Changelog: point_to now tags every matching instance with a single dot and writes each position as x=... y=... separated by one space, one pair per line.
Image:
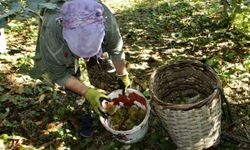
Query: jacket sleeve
x=113 y=42
x=57 y=73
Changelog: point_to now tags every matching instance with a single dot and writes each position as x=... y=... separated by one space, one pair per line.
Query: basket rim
x=188 y=106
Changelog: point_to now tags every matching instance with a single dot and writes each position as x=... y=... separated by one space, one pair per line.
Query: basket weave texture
x=191 y=126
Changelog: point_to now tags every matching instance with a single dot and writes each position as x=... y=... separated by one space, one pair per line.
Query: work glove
x=123 y=82
x=95 y=97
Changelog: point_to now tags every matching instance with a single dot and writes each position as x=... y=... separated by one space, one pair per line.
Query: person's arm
x=76 y=86
x=113 y=45
x=120 y=66
x=93 y=95
x=122 y=74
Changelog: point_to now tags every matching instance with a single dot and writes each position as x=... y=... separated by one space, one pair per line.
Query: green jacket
x=53 y=55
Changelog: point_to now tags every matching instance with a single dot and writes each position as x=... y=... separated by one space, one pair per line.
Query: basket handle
x=226 y=110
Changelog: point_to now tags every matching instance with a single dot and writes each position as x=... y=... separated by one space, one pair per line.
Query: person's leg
x=102 y=75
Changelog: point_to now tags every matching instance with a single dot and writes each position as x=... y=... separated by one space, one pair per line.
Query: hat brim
x=85 y=41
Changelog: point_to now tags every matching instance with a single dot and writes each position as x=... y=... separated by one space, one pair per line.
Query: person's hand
x=95 y=98
x=123 y=81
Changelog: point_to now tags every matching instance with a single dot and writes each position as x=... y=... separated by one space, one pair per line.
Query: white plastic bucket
x=137 y=132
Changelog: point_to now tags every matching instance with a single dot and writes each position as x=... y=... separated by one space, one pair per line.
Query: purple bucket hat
x=83 y=27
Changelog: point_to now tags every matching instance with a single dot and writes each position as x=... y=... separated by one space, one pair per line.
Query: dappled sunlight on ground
x=155 y=32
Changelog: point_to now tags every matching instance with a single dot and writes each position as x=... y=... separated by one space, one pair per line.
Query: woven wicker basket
x=191 y=126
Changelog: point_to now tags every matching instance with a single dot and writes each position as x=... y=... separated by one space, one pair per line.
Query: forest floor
x=35 y=116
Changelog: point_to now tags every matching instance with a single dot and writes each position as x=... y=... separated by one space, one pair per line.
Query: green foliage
x=246 y=64
x=5 y=114
x=154 y=32
x=11 y=124
x=146 y=93
x=27 y=91
x=21 y=10
x=24 y=64
x=85 y=142
x=108 y=146
x=237 y=15
x=10 y=9
x=17 y=101
x=1 y=89
x=154 y=137
x=4 y=137
x=41 y=88
x=242 y=21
